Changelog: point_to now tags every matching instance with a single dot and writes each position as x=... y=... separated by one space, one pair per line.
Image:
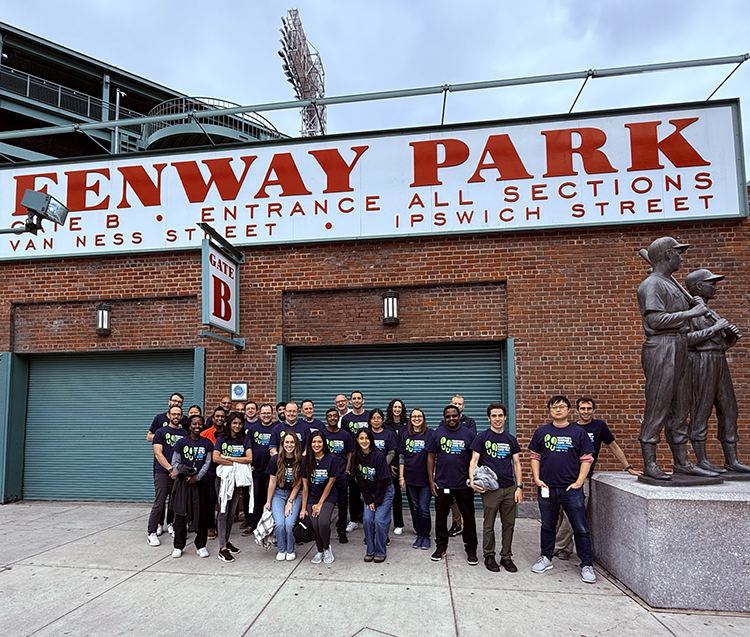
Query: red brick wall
x=569 y=301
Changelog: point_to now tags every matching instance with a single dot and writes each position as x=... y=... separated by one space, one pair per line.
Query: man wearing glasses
x=561 y=456
x=175 y=400
x=599 y=433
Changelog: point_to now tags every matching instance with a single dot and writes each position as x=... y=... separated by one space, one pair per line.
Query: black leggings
x=322 y=526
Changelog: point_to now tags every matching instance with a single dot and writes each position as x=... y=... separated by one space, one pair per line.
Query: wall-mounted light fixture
x=103 y=319
x=390 y=308
x=40 y=206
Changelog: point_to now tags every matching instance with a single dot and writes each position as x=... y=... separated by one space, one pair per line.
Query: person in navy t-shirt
x=341 y=444
x=291 y=423
x=374 y=478
x=353 y=422
x=260 y=434
x=396 y=421
x=413 y=475
x=498 y=450
x=561 y=457
x=322 y=468
x=599 y=433
x=449 y=455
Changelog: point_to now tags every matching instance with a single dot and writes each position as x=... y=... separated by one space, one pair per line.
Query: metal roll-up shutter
x=425 y=376
x=87 y=418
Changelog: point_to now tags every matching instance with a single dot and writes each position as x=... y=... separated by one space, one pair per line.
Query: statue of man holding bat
x=712 y=385
x=666 y=310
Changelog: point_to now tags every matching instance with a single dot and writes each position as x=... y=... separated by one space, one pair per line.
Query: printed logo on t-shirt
x=591 y=436
x=234 y=451
x=380 y=444
x=193 y=453
x=452 y=446
x=171 y=439
x=368 y=473
x=414 y=445
x=335 y=446
x=284 y=433
x=320 y=477
x=259 y=438
x=558 y=443
x=288 y=475
x=496 y=449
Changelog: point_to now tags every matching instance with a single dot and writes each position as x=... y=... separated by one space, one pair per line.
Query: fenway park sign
x=674 y=163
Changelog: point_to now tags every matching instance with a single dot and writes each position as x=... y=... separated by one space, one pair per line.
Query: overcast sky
x=228 y=49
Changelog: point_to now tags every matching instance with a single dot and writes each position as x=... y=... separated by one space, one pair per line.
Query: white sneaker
x=317 y=559
x=280 y=557
x=398 y=530
x=153 y=540
x=588 y=575
x=202 y=552
x=328 y=555
x=542 y=564
x=177 y=553
x=170 y=529
x=160 y=529
x=352 y=526
x=290 y=557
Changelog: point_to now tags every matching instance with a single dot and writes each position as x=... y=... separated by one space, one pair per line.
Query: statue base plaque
x=683 y=547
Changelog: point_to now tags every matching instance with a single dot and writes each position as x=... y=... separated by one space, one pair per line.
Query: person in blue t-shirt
x=307 y=409
x=291 y=423
x=374 y=478
x=561 y=457
x=322 y=468
x=449 y=455
x=498 y=450
x=341 y=444
x=599 y=433
x=413 y=475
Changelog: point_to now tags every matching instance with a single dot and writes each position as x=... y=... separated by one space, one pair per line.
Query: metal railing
x=58 y=96
x=251 y=124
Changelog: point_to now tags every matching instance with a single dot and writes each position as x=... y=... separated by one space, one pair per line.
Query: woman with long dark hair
x=230 y=448
x=322 y=468
x=396 y=421
x=284 y=493
x=413 y=476
x=374 y=480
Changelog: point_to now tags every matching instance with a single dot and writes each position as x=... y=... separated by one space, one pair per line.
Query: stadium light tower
x=304 y=71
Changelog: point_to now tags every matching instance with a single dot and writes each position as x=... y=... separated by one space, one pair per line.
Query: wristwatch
x=519 y=486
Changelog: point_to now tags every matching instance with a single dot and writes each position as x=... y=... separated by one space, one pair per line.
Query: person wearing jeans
x=374 y=480
x=285 y=493
x=561 y=456
x=413 y=475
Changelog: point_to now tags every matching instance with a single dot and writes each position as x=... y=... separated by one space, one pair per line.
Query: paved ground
x=85 y=569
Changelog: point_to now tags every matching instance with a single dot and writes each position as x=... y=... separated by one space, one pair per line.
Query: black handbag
x=303 y=531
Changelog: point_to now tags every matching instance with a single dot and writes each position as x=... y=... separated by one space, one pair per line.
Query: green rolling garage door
x=87 y=418
x=425 y=376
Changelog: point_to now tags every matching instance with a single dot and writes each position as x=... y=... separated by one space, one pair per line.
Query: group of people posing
x=358 y=462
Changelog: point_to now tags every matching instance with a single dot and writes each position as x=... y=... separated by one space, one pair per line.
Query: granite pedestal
x=675 y=547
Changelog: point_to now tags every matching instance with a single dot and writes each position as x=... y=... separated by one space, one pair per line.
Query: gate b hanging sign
x=221 y=289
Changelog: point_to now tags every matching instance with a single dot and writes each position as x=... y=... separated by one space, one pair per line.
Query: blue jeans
x=572 y=502
x=376 y=524
x=284 y=525
x=419 y=504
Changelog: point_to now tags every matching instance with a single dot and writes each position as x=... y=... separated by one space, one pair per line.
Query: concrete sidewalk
x=85 y=569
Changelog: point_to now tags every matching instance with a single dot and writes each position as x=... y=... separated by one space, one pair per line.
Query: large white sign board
x=676 y=163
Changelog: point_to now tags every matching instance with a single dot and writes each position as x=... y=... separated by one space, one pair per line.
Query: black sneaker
x=343 y=539
x=508 y=565
x=490 y=564
x=232 y=548
x=387 y=541
x=455 y=530
x=226 y=556
x=471 y=558
x=438 y=555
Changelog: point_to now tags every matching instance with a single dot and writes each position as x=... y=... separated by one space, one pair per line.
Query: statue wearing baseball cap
x=712 y=385
x=666 y=313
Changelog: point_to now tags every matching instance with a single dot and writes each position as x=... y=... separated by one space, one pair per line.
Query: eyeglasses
x=559 y=407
